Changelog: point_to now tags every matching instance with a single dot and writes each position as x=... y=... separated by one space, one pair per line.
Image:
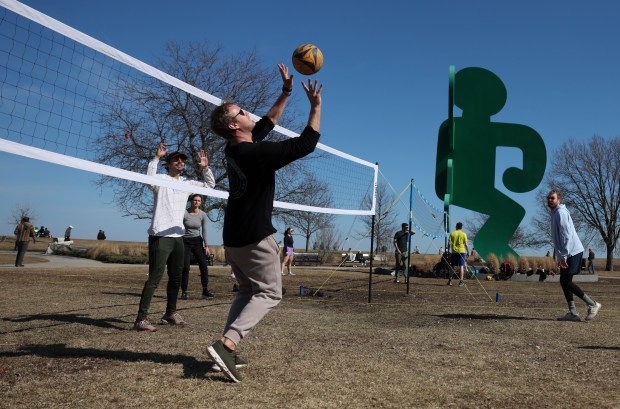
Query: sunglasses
x=241 y=112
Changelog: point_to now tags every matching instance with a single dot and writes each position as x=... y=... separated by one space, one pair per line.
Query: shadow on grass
x=192 y=368
x=609 y=348
x=61 y=319
x=133 y=294
x=484 y=317
x=128 y=294
x=83 y=319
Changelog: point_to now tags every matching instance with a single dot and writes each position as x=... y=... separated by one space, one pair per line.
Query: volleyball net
x=427 y=218
x=75 y=101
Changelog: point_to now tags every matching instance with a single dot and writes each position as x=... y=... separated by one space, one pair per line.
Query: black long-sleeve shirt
x=251 y=169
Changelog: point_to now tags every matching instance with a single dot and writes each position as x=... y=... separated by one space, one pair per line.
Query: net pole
x=409 y=234
x=448 y=200
x=372 y=241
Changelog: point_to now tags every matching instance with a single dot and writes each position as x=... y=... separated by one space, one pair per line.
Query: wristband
x=287 y=91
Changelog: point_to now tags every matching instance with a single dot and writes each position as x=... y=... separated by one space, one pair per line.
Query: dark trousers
x=22 y=246
x=163 y=252
x=401 y=263
x=195 y=246
x=566 y=278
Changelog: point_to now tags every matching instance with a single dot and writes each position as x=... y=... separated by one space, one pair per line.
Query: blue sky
x=385 y=75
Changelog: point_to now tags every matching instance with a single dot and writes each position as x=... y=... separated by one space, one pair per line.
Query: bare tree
x=139 y=113
x=588 y=176
x=327 y=240
x=20 y=211
x=385 y=219
x=313 y=193
x=522 y=238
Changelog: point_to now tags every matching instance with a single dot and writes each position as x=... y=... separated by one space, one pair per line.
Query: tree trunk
x=609 y=265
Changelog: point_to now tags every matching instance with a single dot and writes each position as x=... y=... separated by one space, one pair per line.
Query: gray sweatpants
x=257 y=270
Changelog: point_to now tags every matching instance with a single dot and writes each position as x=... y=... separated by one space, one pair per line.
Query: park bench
x=306 y=258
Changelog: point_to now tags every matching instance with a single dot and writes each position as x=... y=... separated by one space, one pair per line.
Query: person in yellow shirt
x=460 y=251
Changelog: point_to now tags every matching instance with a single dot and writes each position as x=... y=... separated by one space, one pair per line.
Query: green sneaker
x=225 y=360
x=239 y=363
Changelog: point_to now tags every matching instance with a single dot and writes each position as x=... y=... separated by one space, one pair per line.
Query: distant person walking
x=166 y=234
x=401 y=252
x=288 y=251
x=460 y=251
x=568 y=253
x=23 y=232
x=591 y=261
x=195 y=243
x=68 y=233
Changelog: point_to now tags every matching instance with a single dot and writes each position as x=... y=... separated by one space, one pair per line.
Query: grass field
x=66 y=342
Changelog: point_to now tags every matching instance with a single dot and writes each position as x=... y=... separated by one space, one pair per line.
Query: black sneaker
x=207 y=295
x=225 y=359
x=184 y=296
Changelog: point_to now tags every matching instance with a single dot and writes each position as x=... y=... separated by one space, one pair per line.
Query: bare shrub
x=493 y=263
x=550 y=264
x=512 y=260
x=117 y=249
x=524 y=263
x=101 y=249
x=219 y=253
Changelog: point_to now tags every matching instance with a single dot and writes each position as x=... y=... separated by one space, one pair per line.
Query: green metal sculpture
x=466 y=158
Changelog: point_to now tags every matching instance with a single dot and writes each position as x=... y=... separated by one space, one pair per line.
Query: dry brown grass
x=115 y=248
x=493 y=263
x=524 y=263
x=66 y=342
x=512 y=260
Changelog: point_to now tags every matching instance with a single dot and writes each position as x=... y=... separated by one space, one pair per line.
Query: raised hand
x=161 y=150
x=287 y=81
x=313 y=91
x=204 y=159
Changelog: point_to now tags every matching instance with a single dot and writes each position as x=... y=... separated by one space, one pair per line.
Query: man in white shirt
x=166 y=234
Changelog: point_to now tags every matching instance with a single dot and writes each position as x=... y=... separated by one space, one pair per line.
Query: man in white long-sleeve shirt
x=166 y=234
x=568 y=253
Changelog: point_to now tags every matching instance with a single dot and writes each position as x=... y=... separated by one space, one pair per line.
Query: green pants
x=401 y=263
x=163 y=252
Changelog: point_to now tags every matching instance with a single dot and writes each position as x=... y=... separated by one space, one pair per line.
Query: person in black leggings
x=568 y=252
x=194 y=220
